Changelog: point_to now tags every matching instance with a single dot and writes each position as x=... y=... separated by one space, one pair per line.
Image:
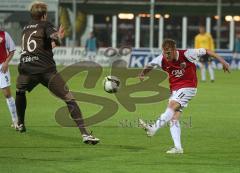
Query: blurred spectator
x=236 y=54
x=91 y=47
x=205 y=40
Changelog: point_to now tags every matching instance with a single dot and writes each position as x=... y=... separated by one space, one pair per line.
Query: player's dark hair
x=169 y=43
x=38 y=10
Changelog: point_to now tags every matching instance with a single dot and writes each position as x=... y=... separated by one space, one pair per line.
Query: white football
x=111 y=84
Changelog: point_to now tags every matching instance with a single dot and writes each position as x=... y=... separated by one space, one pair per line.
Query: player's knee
x=174 y=105
x=7 y=92
x=7 y=95
x=176 y=116
x=66 y=97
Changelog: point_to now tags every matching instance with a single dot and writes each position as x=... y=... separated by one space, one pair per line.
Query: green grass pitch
x=210 y=135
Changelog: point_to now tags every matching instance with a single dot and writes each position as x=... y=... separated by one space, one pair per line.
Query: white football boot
x=150 y=129
x=89 y=139
x=175 y=150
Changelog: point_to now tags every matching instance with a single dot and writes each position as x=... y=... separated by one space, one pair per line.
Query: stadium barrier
x=71 y=55
x=135 y=58
x=141 y=57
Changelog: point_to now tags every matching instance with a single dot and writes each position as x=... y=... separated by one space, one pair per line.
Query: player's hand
x=4 y=67
x=226 y=67
x=61 y=32
x=141 y=77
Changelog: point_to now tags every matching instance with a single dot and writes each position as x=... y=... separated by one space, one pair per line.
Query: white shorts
x=4 y=79
x=183 y=96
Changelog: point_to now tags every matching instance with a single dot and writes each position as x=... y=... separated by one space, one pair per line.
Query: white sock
x=164 y=118
x=175 y=130
x=211 y=72
x=203 y=73
x=12 y=109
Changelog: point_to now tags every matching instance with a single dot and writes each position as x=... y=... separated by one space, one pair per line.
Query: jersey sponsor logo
x=29 y=59
x=178 y=73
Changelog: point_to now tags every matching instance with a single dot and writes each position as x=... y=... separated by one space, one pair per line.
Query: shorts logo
x=178 y=73
x=7 y=80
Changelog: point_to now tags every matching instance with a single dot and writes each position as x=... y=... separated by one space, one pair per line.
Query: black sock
x=21 y=103
x=76 y=116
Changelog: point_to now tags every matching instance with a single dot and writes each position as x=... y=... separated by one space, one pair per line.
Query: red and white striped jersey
x=182 y=71
x=6 y=45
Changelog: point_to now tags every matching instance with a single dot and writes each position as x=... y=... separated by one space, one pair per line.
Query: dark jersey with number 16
x=37 y=55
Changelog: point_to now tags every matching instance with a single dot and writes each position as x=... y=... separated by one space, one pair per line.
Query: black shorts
x=52 y=80
x=205 y=58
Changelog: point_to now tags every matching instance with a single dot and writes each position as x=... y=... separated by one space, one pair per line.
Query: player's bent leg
x=151 y=129
x=21 y=104
x=77 y=117
x=58 y=87
x=11 y=106
x=168 y=114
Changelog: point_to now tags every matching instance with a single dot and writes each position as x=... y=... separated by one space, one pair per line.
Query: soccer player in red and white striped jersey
x=7 y=49
x=181 y=68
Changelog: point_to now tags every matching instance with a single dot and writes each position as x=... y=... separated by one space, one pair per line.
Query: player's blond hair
x=169 y=43
x=38 y=9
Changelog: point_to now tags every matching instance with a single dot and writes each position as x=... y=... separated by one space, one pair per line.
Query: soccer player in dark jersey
x=38 y=66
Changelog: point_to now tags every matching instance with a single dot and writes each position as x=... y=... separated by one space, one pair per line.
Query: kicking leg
x=162 y=120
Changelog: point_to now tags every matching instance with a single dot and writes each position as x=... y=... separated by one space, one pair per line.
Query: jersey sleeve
x=52 y=33
x=193 y=55
x=156 y=61
x=50 y=29
x=10 y=45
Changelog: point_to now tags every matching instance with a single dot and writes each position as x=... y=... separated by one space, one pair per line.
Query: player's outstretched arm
x=58 y=36
x=146 y=70
x=226 y=66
